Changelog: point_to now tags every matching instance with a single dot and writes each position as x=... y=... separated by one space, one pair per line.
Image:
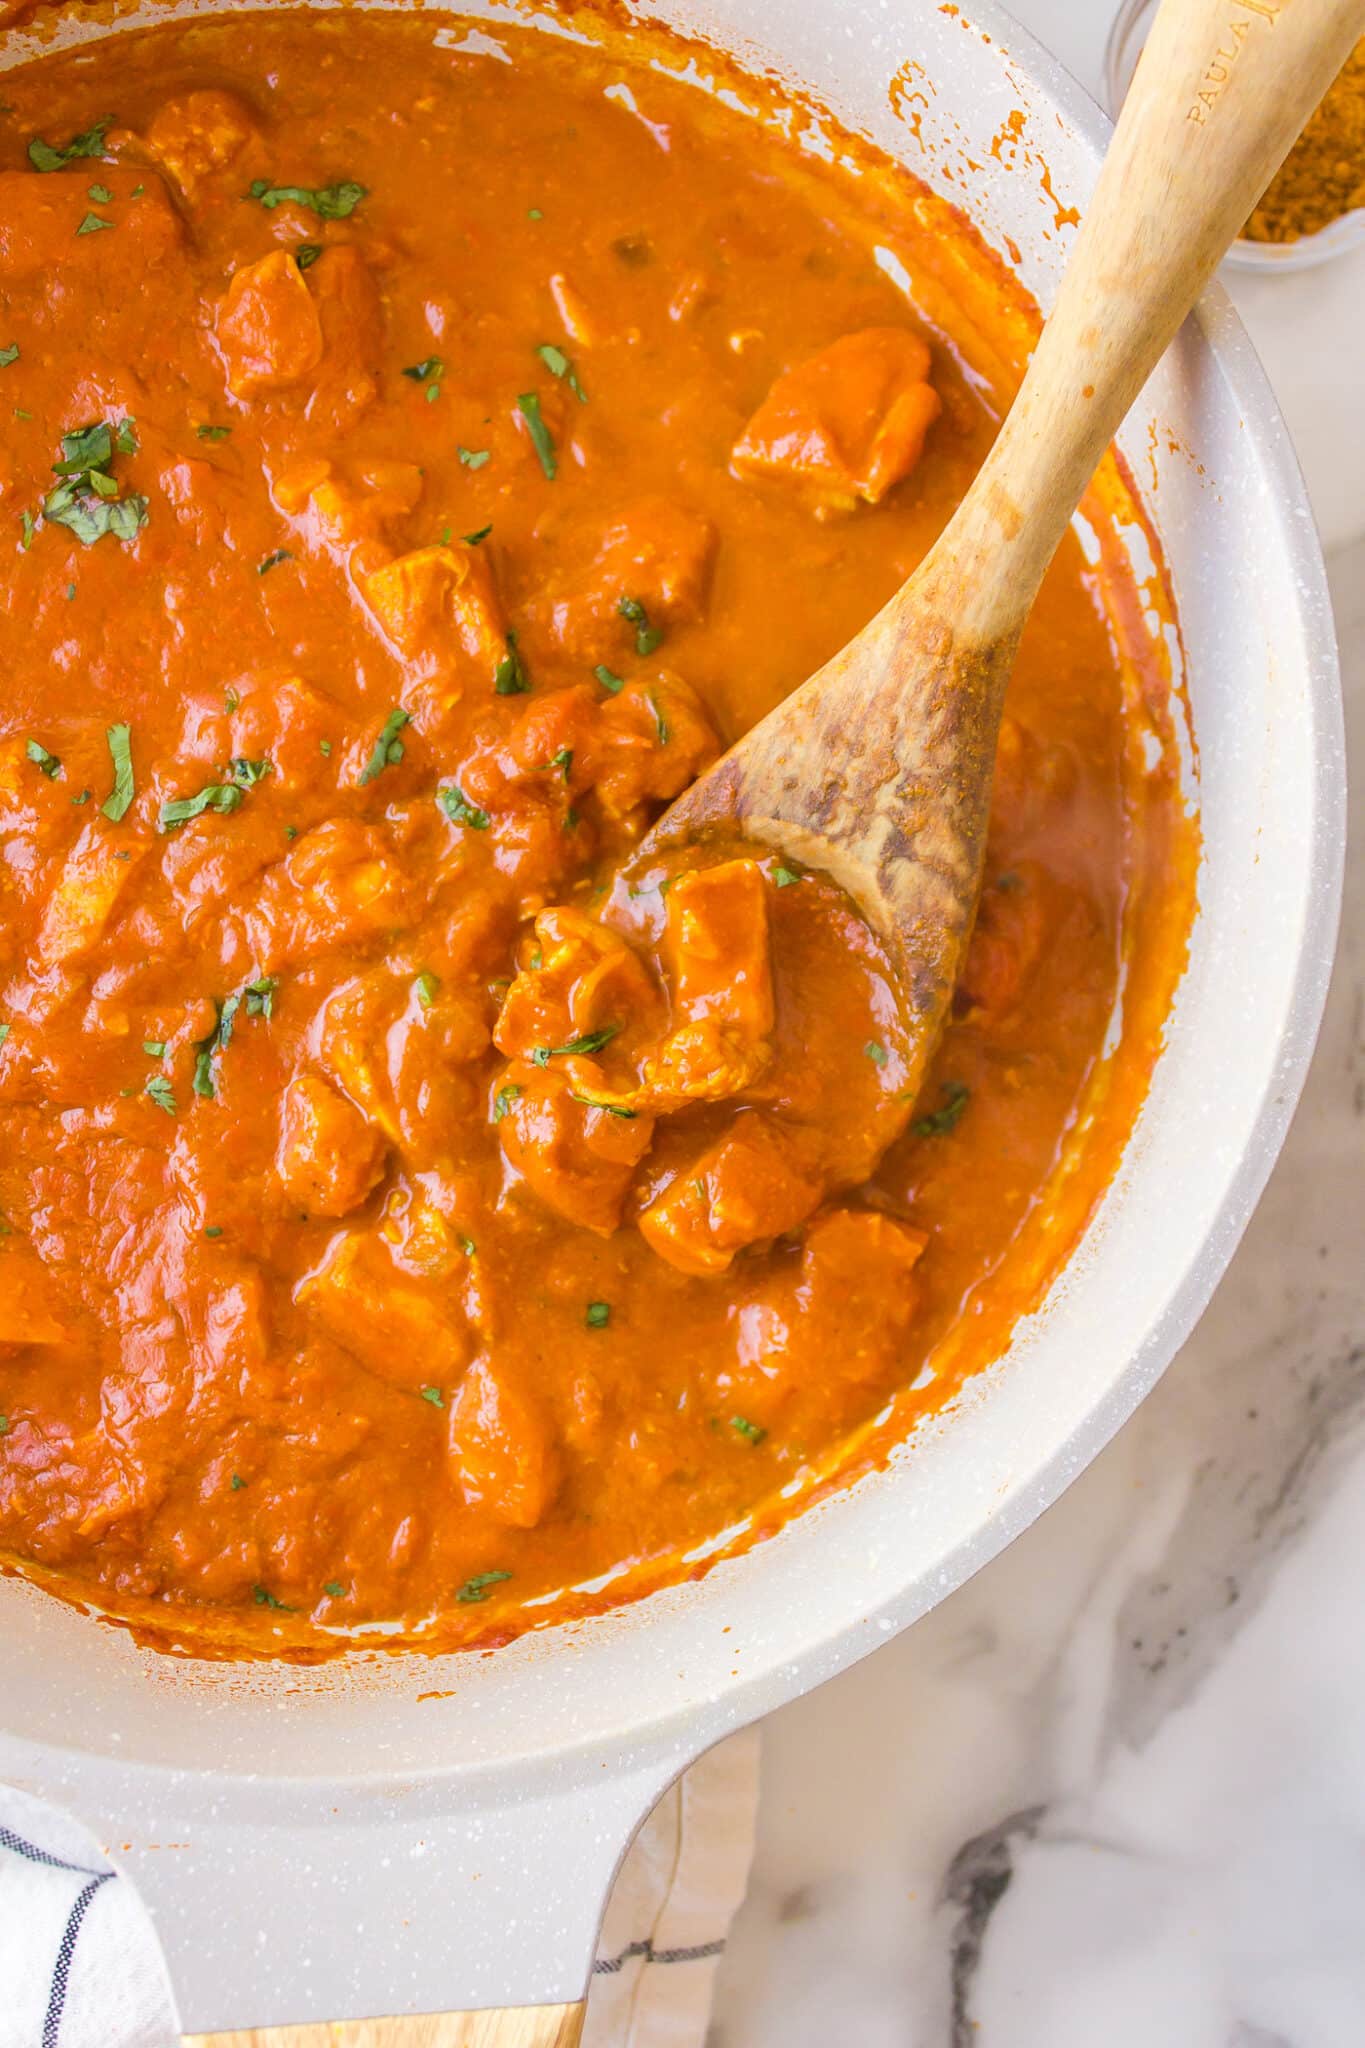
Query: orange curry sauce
x=416 y=463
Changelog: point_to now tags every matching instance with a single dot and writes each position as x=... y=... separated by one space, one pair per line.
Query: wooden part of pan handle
x=524 y=2026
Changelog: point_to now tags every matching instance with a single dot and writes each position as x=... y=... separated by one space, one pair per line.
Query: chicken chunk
x=192 y=136
x=341 y=885
x=717 y=953
x=540 y=761
x=750 y=1186
x=279 y=719
x=650 y=573
x=583 y=980
x=40 y=219
x=847 y=423
x=1011 y=927
x=268 y=327
x=93 y=880
x=352 y=322
x=405 y=1333
x=575 y=1156
x=856 y=1282
x=330 y=1158
x=438 y=607
x=350 y=1039
x=403 y=1055
x=501 y=1448
x=652 y=740
x=347 y=511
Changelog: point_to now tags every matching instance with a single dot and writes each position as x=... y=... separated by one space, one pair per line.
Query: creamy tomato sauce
x=416 y=464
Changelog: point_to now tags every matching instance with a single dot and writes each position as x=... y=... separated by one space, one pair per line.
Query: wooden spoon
x=878 y=769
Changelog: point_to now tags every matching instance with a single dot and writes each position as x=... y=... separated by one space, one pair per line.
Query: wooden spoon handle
x=526 y=2026
x=1221 y=92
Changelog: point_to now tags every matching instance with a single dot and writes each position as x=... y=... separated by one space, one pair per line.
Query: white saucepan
x=416 y=1835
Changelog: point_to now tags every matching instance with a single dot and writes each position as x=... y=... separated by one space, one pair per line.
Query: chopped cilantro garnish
x=26 y=531
x=155 y=1048
x=4 y=1032
x=660 y=722
x=46 y=763
x=258 y=1000
x=784 y=877
x=750 y=1431
x=162 y=1093
x=44 y=157
x=82 y=796
x=120 y=740
x=273 y=561
x=9 y=355
x=534 y=213
x=435 y=1396
x=259 y=996
x=472 y=539
x=473 y=458
x=560 y=365
x=387 y=751
x=504 y=1099
x=87 y=500
x=99 y=193
x=329 y=202
x=237 y=1482
x=208 y=432
x=528 y=405
x=590 y=1042
x=334 y=1589
x=611 y=1108
x=213 y=1230
x=476 y=1589
x=92 y=223
x=876 y=1053
x=307 y=254
x=218 y=796
x=940 y=1121
x=608 y=679
x=509 y=677
x=430 y=368
x=428 y=988
x=460 y=811
x=598 y=1315
x=267 y=1599
x=647 y=637
x=4 y=1425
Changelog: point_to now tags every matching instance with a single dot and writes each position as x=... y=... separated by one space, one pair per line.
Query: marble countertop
x=1111 y=1794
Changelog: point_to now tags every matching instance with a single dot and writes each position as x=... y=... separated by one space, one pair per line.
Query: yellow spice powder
x=1323 y=175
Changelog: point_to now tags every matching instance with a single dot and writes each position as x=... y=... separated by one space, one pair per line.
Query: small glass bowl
x=1121 y=54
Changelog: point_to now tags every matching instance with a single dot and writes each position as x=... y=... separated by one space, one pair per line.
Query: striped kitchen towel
x=80 y=1965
